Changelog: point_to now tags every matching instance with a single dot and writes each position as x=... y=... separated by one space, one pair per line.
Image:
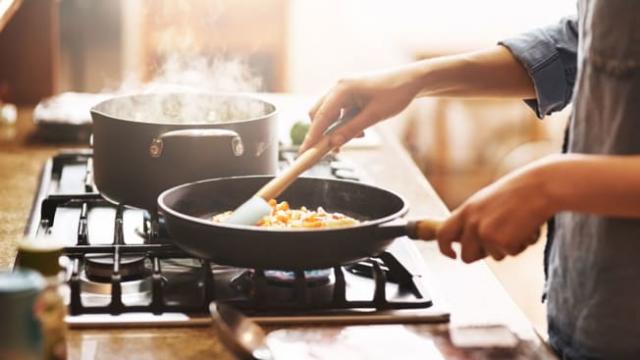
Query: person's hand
x=373 y=97
x=502 y=219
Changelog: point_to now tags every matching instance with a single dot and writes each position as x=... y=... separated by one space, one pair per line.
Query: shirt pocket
x=613 y=36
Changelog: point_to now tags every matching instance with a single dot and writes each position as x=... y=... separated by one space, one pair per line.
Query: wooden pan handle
x=305 y=161
x=424 y=229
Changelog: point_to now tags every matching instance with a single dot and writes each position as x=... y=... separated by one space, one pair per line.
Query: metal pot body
x=136 y=158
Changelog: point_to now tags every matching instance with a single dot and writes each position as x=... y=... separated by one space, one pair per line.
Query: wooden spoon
x=254 y=209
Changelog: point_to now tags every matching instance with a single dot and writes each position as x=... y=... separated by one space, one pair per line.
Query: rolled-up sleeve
x=549 y=55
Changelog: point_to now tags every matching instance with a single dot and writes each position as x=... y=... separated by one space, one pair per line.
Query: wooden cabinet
x=29 y=48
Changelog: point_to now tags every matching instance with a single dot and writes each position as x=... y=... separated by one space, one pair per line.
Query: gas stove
x=121 y=267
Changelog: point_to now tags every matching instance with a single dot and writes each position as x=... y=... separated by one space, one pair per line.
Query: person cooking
x=591 y=192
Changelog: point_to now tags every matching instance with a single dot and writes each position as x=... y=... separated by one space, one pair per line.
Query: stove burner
x=99 y=267
x=98 y=294
x=270 y=287
x=288 y=278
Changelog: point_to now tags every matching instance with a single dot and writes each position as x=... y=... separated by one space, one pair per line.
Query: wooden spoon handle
x=305 y=161
x=424 y=229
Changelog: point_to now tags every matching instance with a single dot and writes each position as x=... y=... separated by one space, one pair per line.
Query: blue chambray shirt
x=593 y=285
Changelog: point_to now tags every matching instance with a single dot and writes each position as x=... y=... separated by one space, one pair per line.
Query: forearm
x=488 y=73
x=596 y=184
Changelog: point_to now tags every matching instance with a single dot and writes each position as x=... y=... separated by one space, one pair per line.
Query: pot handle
x=157 y=144
x=424 y=229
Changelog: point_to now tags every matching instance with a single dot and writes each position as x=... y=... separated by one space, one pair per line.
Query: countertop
x=474 y=294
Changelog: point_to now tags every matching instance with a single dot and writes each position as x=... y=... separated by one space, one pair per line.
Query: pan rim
x=275 y=112
x=363 y=224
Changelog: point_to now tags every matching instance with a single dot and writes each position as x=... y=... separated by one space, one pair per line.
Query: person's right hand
x=374 y=97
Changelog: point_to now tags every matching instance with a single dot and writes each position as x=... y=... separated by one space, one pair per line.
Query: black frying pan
x=188 y=209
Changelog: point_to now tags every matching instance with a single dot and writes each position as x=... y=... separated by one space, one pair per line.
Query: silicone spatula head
x=250 y=212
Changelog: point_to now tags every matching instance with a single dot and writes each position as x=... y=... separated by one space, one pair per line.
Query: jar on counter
x=43 y=255
x=20 y=330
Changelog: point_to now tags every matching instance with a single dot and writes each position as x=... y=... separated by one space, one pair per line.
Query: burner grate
x=260 y=302
x=257 y=301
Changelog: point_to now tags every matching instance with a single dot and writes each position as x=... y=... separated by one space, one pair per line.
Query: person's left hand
x=502 y=219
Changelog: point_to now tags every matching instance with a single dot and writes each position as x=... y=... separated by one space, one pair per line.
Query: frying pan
x=188 y=209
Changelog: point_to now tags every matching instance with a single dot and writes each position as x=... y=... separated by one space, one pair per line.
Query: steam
x=190 y=81
x=190 y=90
x=204 y=75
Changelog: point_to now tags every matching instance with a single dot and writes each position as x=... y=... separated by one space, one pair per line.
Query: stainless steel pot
x=144 y=144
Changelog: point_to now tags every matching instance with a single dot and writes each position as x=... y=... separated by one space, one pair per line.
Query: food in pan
x=282 y=216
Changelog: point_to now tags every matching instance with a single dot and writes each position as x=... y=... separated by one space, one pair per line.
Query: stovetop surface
x=121 y=266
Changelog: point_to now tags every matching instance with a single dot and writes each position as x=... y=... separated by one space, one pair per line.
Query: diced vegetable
x=282 y=216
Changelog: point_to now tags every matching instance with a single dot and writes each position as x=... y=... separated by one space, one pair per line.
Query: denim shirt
x=592 y=60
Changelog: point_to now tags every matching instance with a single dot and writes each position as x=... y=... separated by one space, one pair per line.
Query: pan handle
x=424 y=229
x=421 y=229
x=157 y=144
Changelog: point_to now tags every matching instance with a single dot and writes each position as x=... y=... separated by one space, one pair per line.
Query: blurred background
x=299 y=46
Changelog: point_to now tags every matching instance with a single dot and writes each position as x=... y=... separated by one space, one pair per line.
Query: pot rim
x=96 y=111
